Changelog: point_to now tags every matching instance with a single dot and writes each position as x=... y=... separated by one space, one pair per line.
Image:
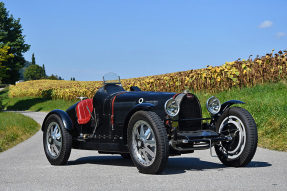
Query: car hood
x=157 y=99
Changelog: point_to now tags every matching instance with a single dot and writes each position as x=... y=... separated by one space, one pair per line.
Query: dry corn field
x=269 y=68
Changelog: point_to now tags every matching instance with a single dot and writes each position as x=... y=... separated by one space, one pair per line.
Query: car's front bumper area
x=196 y=140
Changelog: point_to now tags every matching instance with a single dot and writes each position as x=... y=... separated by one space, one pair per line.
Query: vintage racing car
x=148 y=127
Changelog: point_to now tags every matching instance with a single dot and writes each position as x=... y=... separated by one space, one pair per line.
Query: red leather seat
x=83 y=114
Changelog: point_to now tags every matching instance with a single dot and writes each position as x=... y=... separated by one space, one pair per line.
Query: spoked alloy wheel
x=232 y=126
x=147 y=142
x=57 y=141
x=54 y=139
x=238 y=124
x=143 y=143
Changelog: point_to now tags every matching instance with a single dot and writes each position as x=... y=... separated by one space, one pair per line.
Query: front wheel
x=57 y=141
x=239 y=125
x=147 y=142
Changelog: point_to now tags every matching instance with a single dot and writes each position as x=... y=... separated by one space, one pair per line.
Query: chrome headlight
x=171 y=107
x=213 y=105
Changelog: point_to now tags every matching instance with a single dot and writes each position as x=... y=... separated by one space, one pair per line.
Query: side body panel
x=111 y=135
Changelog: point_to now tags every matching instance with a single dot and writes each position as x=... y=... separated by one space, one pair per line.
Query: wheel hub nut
x=141 y=143
x=50 y=140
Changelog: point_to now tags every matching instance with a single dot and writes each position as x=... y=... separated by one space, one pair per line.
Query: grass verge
x=32 y=103
x=15 y=128
x=267 y=104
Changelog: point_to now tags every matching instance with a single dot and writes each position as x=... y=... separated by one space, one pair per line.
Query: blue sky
x=86 y=39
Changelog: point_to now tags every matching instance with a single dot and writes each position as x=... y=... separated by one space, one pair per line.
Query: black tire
x=126 y=155
x=147 y=142
x=240 y=125
x=57 y=141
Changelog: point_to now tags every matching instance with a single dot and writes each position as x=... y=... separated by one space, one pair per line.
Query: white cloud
x=281 y=34
x=266 y=24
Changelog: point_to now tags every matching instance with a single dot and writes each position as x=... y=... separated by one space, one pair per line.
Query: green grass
x=15 y=128
x=267 y=104
x=32 y=103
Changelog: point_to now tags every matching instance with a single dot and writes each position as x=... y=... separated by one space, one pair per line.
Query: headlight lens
x=213 y=105
x=171 y=107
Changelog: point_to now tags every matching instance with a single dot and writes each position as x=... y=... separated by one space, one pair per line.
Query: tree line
x=32 y=71
x=13 y=65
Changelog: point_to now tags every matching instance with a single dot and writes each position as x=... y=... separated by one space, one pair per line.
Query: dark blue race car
x=148 y=127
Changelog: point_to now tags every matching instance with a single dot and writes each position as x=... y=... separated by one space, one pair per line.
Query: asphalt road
x=25 y=167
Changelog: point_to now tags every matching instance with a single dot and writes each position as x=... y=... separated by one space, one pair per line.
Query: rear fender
x=68 y=124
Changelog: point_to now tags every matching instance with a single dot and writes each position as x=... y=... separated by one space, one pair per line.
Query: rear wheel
x=148 y=143
x=57 y=141
x=238 y=124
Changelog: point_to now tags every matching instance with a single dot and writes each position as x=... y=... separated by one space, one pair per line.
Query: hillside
x=245 y=73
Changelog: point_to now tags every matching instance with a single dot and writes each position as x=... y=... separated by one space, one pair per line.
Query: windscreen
x=111 y=78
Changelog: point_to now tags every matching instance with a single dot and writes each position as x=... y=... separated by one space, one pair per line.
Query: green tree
x=4 y=56
x=33 y=59
x=11 y=35
x=44 y=72
x=33 y=72
x=53 y=77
